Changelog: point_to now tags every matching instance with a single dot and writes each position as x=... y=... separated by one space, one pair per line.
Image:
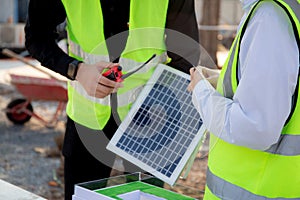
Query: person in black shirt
x=40 y=33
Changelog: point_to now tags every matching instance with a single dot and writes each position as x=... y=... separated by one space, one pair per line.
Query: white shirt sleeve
x=268 y=72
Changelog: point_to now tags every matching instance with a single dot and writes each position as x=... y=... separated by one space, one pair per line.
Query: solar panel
x=162 y=129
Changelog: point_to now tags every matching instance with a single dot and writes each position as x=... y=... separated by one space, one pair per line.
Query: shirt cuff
x=201 y=92
x=202 y=88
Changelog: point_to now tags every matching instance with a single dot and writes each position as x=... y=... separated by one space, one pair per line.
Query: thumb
x=105 y=65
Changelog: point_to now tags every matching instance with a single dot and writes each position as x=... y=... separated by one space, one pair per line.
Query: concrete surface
x=12 y=192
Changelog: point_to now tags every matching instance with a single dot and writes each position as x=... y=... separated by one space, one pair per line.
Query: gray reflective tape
x=79 y=89
x=295 y=6
x=127 y=64
x=288 y=145
x=228 y=191
x=87 y=57
x=123 y=99
x=227 y=84
x=114 y=108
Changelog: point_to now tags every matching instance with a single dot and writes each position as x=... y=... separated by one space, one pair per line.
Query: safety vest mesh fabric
x=87 y=43
x=236 y=172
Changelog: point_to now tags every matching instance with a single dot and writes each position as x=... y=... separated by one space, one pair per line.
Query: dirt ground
x=30 y=156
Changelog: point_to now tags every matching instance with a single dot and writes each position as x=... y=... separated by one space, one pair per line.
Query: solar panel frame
x=138 y=149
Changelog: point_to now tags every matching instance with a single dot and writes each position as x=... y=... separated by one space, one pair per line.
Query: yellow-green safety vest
x=240 y=173
x=87 y=42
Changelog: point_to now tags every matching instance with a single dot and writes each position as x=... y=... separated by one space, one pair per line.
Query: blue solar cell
x=142 y=118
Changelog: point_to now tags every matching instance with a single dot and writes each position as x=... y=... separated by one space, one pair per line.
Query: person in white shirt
x=251 y=124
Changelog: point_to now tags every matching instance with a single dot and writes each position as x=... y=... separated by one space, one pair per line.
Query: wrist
x=73 y=69
x=79 y=69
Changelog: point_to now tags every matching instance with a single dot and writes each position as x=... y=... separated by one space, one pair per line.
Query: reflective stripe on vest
x=227 y=191
x=124 y=98
x=146 y=37
x=287 y=145
x=237 y=172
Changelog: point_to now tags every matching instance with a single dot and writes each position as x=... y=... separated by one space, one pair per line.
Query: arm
x=41 y=34
x=268 y=76
x=184 y=50
x=40 y=30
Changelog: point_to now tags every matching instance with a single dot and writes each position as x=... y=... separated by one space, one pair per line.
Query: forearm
x=41 y=35
x=229 y=121
x=183 y=36
x=48 y=54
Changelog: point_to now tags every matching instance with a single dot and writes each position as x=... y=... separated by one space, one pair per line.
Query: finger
x=112 y=65
x=115 y=90
x=190 y=87
x=106 y=86
x=103 y=91
x=102 y=88
x=105 y=65
x=107 y=82
x=116 y=86
x=211 y=72
x=199 y=69
x=205 y=73
x=119 y=85
x=192 y=70
x=199 y=73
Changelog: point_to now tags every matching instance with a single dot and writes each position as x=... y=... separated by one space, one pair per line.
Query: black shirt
x=44 y=17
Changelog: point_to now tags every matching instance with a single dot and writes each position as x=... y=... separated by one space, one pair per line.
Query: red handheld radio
x=114 y=74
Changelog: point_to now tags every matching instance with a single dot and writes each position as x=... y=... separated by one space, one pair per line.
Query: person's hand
x=196 y=76
x=198 y=73
x=91 y=79
x=212 y=75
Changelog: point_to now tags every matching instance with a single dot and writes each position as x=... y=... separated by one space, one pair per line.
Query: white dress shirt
x=268 y=72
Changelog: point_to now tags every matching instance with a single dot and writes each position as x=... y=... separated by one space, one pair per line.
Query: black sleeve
x=41 y=34
x=182 y=35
